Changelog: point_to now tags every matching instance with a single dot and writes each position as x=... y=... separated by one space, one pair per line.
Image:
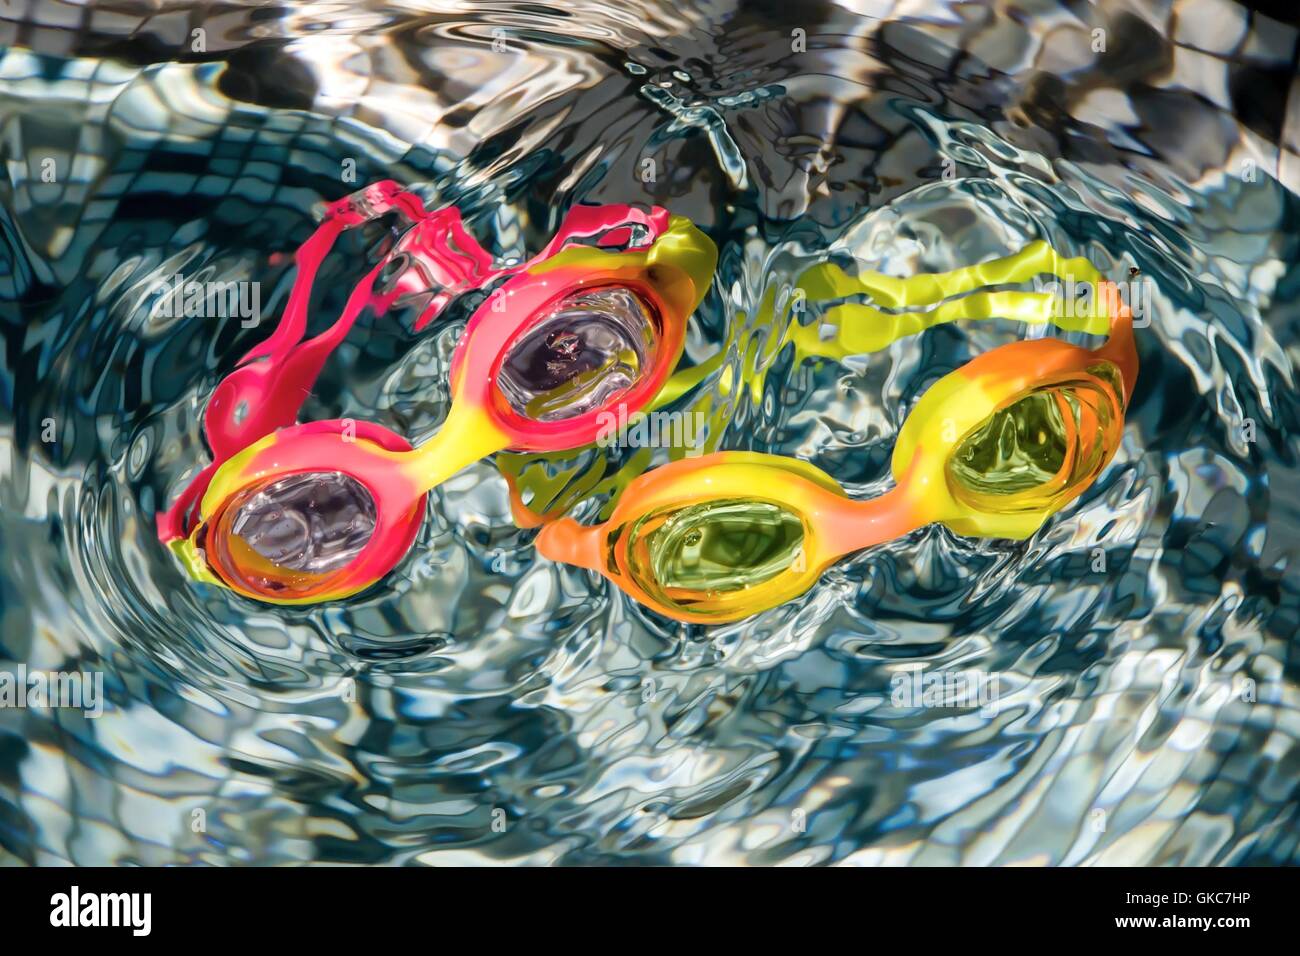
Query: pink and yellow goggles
x=321 y=511
x=992 y=449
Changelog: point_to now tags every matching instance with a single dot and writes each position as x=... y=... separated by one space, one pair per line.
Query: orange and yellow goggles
x=992 y=449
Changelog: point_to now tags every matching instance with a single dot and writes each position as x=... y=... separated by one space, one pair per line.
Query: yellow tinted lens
x=713 y=550
x=1042 y=449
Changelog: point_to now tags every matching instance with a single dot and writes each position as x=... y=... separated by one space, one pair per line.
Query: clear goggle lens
x=592 y=348
x=287 y=535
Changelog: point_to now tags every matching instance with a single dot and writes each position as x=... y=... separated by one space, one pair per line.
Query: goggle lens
x=704 y=551
x=591 y=349
x=287 y=535
x=1043 y=448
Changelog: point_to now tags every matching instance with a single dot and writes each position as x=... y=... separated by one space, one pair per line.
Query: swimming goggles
x=299 y=513
x=992 y=449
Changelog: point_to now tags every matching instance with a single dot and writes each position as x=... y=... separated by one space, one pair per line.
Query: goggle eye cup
x=588 y=351
x=287 y=536
x=714 y=556
x=1042 y=449
x=280 y=525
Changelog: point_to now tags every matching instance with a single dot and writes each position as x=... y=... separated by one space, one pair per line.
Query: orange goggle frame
x=946 y=467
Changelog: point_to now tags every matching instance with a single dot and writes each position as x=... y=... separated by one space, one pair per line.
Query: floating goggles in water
x=991 y=449
x=313 y=512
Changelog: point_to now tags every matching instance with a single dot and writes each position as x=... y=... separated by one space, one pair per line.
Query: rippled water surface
x=485 y=706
